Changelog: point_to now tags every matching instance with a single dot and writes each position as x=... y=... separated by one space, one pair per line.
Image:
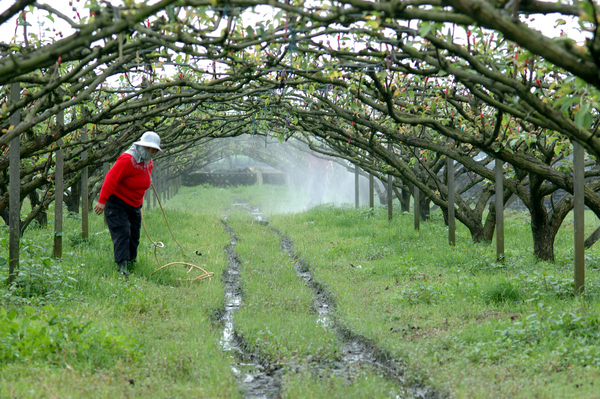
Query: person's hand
x=99 y=208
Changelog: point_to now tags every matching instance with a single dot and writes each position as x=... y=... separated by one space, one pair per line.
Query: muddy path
x=257 y=378
x=260 y=379
x=356 y=350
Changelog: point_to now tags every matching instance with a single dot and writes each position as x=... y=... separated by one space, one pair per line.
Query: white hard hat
x=150 y=139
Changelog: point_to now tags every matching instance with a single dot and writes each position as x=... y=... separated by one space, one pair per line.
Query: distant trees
x=395 y=88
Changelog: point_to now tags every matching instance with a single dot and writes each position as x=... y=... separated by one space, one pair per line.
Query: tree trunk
x=477 y=233
x=405 y=200
x=42 y=216
x=541 y=225
x=73 y=199
x=490 y=224
x=425 y=208
x=543 y=240
x=381 y=194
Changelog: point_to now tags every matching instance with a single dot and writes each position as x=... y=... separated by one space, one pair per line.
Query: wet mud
x=356 y=350
x=257 y=378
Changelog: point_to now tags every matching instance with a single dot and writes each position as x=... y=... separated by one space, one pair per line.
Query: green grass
x=460 y=319
x=277 y=316
x=362 y=384
x=277 y=320
x=167 y=324
x=462 y=322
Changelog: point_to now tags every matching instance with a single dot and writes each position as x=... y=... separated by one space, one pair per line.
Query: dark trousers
x=124 y=222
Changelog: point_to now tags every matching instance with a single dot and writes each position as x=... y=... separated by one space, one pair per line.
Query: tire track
x=356 y=350
x=258 y=378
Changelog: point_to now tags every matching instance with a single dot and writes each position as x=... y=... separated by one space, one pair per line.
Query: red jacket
x=128 y=180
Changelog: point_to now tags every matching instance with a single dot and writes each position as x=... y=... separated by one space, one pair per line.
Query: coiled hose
x=159 y=244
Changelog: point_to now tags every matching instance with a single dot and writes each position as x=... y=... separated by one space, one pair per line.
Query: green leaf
x=425 y=28
x=373 y=25
x=583 y=119
x=170 y=12
x=567 y=102
x=588 y=11
x=525 y=55
x=11 y=315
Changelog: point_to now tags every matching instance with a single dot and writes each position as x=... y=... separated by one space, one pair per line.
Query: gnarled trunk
x=73 y=198
x=477 y=232
x=425 y=208
x=543 y=238
x=541 y=225
x=490 y=224
x=405 y=200
x=42 y=216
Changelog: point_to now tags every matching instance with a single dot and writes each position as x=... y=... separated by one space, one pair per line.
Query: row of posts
x=166 y=187
x=578 y=211
x=165 y=183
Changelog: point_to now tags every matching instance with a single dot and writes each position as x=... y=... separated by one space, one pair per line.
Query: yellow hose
x=159 y=244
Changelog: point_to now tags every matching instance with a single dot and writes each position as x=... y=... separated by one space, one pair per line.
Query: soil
x=357 y=351
x=258 y=378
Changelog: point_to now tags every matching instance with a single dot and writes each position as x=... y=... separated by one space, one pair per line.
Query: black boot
x=123 y=268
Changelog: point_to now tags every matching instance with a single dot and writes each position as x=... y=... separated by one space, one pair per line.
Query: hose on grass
x=159 y=244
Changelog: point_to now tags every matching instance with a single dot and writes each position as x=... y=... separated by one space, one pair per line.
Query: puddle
x=233 y=298
x=254 y=212
x=257 y=379
x=356 y=350
x=322 y=304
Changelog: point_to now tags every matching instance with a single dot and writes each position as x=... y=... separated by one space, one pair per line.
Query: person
x=122 y=197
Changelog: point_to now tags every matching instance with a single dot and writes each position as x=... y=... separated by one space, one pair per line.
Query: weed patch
x=423 y=293
x=562 y=338
x=49 y=335
x=40 y=280
x=502 y=292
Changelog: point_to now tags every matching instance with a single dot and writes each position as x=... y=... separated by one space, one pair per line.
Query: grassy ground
x=149 y=336
x=462 y=322
x=277 y=315
x=278 y=321
x=470 y=326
